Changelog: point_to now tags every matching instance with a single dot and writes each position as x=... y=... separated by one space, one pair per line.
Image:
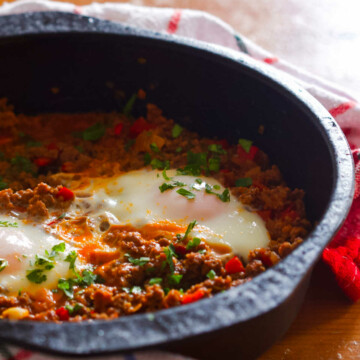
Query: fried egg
x=21 y=243
x=134 y=198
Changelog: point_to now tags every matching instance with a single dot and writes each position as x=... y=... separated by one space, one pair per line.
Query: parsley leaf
x=170 y=252
x=217 y=148
x=178 y=149
x=3 y=264
x=160 y=165
x=163 y=187
x=165 y=176
x=66 y=285
x=71 y=258
x=154 y=147
x=176 y=131
x=3 y=184
x=211 y=274
x=36 y=276
x=94 y=132
x=243 y=182
x=189 y=229
x=186 y=193
x=8 y=224
x=225 y=196
x=23 y=164
x=129 y=105
x=154 y=281
x=141 y=261
x=193 y=243
x=175 y=279
x=245 y=144
x=44 y=262
x=147 y=159
x=74 y=309
x=59 y=247
x=214 y=164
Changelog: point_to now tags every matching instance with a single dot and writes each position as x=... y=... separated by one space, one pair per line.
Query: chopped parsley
x=73 y=310
x=193 y=243
x=160 y=165
x=44 y=262
x=59 y=247
x=176 y=131
x=225 y=196
x=186 y=193
x=214 y=164
x=154 y=147
x=3 y=264
x=245 y=144
x=163 y=187
x=66 y=285
x=129 y=105
x=243 y=182
x=36 y=276
x=94 y=132
x=154 y=281
x=165 y=176
x=202 y=251
x=211 y=274
x=175 y=279
x=23 y=164
x=8 y=224
x=217 y=148
x=189 y=229
x=147 y=159
x=178 y=149
x=141 y=261
x=170 y=252
x=71 y=258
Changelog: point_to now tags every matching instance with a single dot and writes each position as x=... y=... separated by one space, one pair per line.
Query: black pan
x=212 y=90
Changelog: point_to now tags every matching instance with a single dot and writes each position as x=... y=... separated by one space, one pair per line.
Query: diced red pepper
x=195 y=296
x=248 y=156
x=52 y=146
x=181 y=250
x=42 y=161
x=118 y=129
x=265 y=214
x=139 y=126
x=63 y=314
x=234 y=266
x=65 y=193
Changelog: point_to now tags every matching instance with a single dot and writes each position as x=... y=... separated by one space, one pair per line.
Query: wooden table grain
x=323 y=37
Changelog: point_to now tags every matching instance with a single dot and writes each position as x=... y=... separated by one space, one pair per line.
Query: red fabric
x=343 y=253
x=174 y=22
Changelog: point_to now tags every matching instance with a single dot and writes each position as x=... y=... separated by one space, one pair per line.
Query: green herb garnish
x=225 y=196
x=23 y=164
x=66 y=285
x=44 y=262
x=163 y=187
x=245 y=144
x=175 y=279
x=129 y=105
x=178 y=149
x=176 y=131
x=154 y=281
x=147 y=159
x=193 y=243
x=141 y=261
x=186 y=193
x=165 y=176
x=214 y=164
x=154 y=147
x=71 y=258
x=129 y=144
x=3 y=264
x=211 y=274
x=160 y=165
x=170 y=252
x=8 y=224
x=94 y=132
x=36 y=276
x=74 y=309
x=217 y=148
x=189 y=229
x=243 y=182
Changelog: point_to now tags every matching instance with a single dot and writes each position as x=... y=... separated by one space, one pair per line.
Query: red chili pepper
x=265 y=214
x=181 y=250
x=195 y=296
x=52 y=146
x=65 y=193
x=42 y=161
x=250 y=155
x=234 y=265
x=118 y=129
x=139 y=126
x=63 y=314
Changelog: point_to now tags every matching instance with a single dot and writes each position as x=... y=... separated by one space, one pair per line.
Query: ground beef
x=38 y=152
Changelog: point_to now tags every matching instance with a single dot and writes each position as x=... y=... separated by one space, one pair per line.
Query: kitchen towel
x=343 y=254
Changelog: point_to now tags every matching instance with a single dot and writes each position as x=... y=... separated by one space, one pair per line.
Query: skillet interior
x=216 y=92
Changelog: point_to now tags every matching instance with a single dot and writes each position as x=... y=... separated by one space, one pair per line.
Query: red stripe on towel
x=342 y=108
x=22 y=355
x=174 y=22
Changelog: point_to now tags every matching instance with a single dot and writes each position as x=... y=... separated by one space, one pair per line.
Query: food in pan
x=104 y=214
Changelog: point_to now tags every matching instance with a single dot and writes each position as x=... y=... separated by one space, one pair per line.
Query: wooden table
x=323 y=37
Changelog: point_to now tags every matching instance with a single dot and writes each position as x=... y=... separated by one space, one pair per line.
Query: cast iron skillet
x=216 y=92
